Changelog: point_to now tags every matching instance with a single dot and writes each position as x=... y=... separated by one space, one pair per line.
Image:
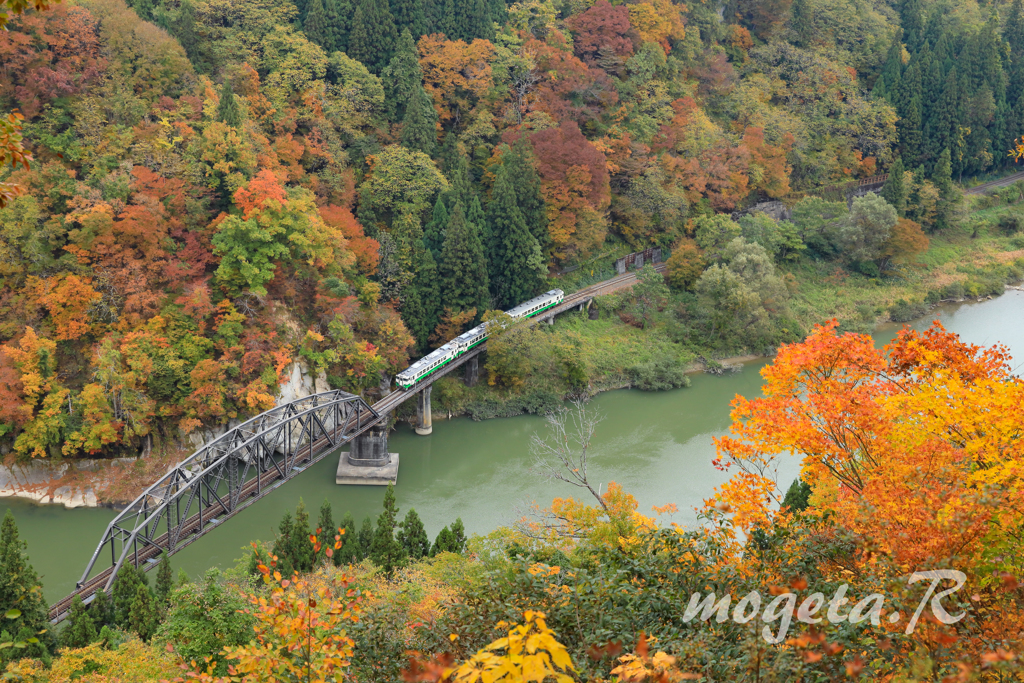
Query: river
x=656 y=445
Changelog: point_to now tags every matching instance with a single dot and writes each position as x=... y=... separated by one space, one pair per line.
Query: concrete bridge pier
x=368 y=460
x=472 y=371
x=424 y=423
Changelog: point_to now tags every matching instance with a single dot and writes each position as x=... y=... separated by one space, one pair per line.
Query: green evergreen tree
x=373 y=37
x=339 y=22
x=459 y=535
x=514 y=261
x=413 y=536
x=463 y=271
x=911 y=23
x=402 y=78
x=1013 y=31
x=450 y=20
x=461 y=189
x=365 y=539
x=126 y=585
x=20 y=588
x=183 y=28
x=282 y=548
x=444 y=543
x=101 y=610
x=435 y=231
x=942 y=176
x=433 y=12
x=325 y=532
x=142 y=615
x=888 y=83
x=387 y=552
x=421 y=298
x=894 y=190
x=802 y=22
x=409 y=16
x=302 y=6
x=349 y=553
x=316 y=26
x=301 y=552
x=227 y=109
x=164 y=582
x=80 y=629
x=526 y=180
x=798 y=496
x=475 y=21
x=450 y=154
x=419 y=127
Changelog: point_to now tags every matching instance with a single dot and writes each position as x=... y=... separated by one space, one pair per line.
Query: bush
x=904 y=311
x=659 y=374
x=537 y=402
x=1011 y=224
x=953 y=291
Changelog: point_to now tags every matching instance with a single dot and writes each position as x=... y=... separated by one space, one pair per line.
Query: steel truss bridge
x=249 y=461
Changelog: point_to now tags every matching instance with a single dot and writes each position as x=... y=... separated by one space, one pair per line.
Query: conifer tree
x=475 y=21
x=450 y=154
x=802 y=22
x=516 y=252
x=420 y=299
x=349 y=553
x=449 y=22
x=419 y=127
x=325 y=532
x=183 y=28
x=365 y=538
x=1013 y=32
x=339 y=22
x=461 y=189
x=444 y=543
x=459 y=535
x=435 y=231
x=526 y=180
x=80 y=629
x=301 y=550
x=142 y=618
x=888 y=82
x=409 y=15
x=387 y=552
x=227 y=109
x=316 y=26
x=402 y=78
x=463 y=274
x=283 y=546
x=164 y=582
x=126 y=585
x=373 y=37
x=433 y=13
x=414 y=537
x=943 y=179
x=20 y=587
x=894 y=190
x=101 y=610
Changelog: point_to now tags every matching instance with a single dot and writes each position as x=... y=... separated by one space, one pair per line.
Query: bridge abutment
x=424 y=423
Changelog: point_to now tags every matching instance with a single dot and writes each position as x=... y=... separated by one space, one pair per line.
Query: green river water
x=656 y=445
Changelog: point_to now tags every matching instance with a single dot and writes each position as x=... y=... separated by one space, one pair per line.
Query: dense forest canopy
x=219 y=186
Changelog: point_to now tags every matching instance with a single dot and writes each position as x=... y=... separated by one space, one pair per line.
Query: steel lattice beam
x=221 y=478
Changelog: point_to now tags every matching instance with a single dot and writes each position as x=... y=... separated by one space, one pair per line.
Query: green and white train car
x=442 y=356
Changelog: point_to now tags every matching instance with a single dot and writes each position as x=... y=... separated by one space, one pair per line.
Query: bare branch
x=563 y=454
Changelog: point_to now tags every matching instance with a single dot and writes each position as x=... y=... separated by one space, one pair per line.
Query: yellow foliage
x=531 y=653
x=658 y=21
x=132 y=662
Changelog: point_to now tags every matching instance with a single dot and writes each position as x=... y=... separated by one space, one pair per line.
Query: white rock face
x=34 y=480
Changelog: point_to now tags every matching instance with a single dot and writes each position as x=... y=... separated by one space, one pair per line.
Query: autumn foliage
x=917 y=447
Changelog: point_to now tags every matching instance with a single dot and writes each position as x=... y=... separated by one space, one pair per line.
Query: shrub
x=659 y=374
x=904 y=311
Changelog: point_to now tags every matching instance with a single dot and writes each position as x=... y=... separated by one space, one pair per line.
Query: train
x=445 y=354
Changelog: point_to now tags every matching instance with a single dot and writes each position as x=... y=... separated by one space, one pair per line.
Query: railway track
x=996 y=184
x=260 y=485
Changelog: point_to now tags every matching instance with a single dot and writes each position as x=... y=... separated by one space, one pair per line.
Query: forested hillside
x=221 y=186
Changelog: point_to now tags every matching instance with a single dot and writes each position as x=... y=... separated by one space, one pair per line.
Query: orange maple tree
x=918 y=446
